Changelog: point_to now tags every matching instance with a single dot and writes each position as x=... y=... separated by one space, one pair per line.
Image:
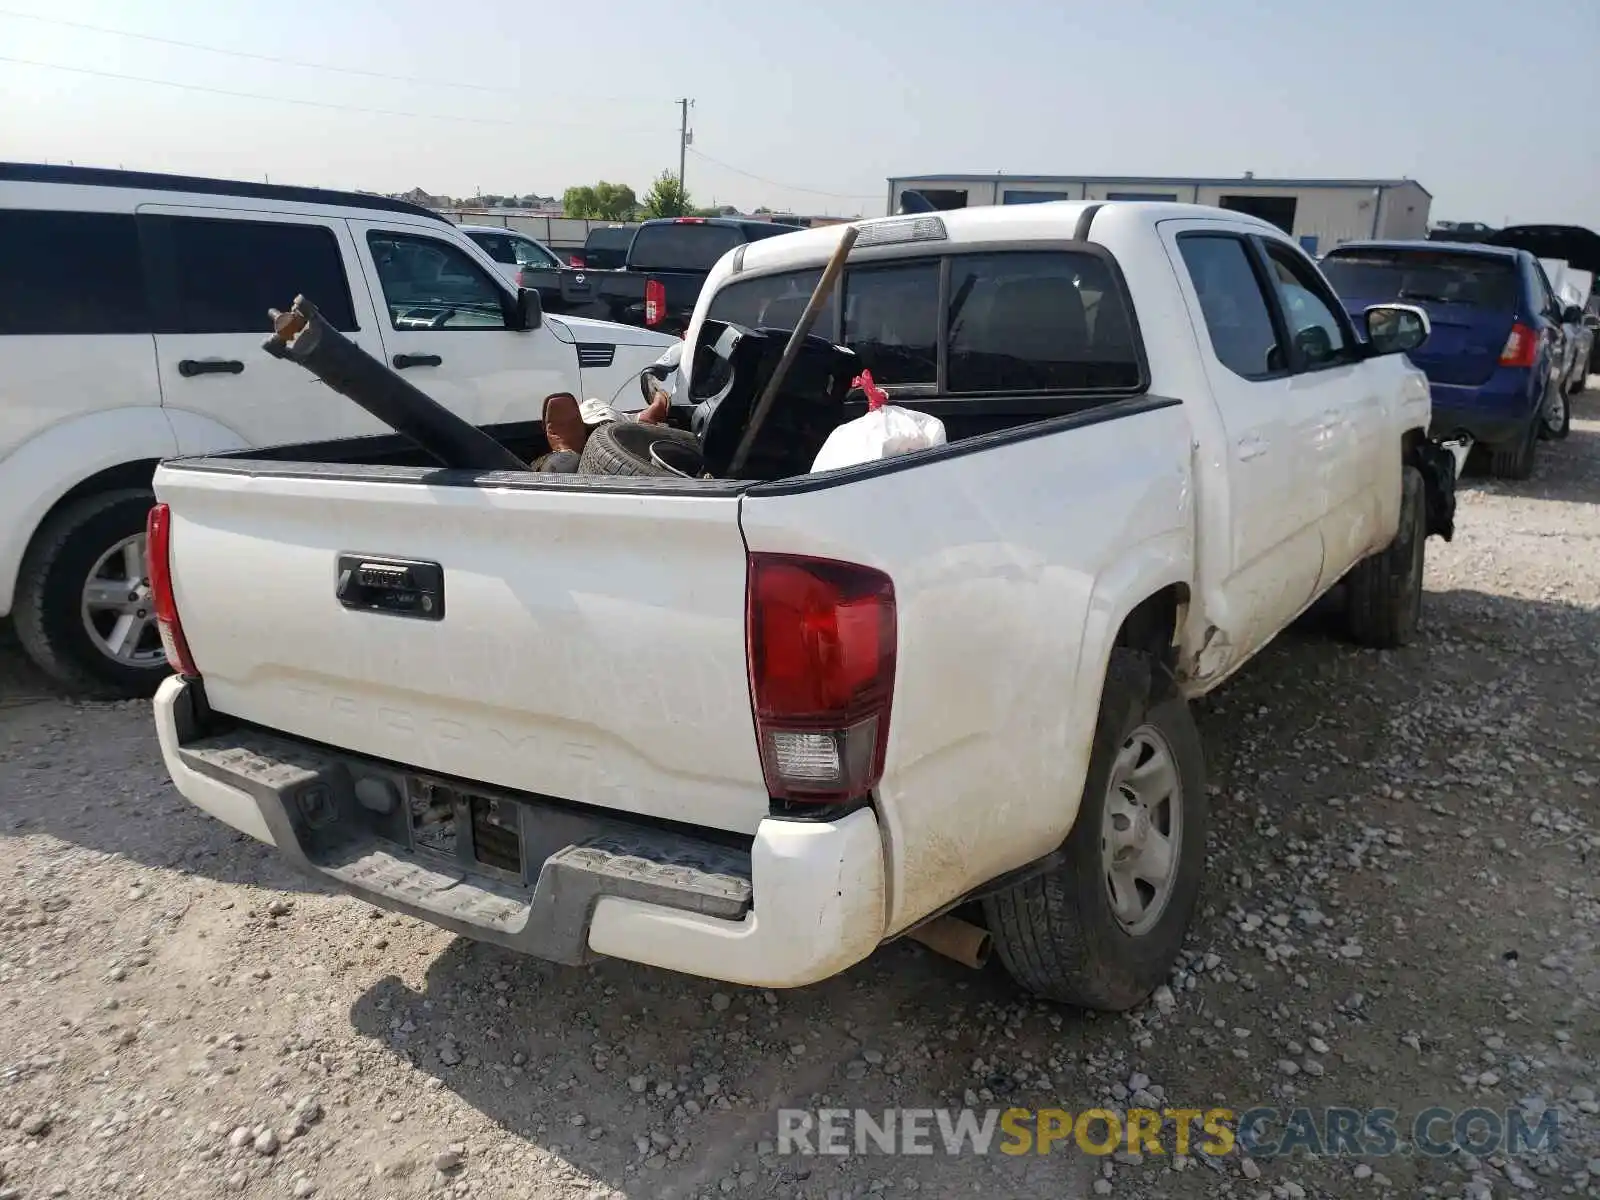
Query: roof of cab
x=12 y=172
x=988 y=223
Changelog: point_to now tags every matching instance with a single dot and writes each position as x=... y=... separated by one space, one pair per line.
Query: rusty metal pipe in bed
x=302 y=336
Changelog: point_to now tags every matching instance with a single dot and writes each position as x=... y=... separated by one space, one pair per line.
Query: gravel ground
x=1403 y=910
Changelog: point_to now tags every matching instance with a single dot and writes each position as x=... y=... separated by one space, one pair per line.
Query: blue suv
x=1495 y=350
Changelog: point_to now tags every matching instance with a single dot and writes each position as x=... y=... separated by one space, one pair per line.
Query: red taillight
x=1520 y=347
x=575 y=261
x=655 y=302
x=821 y=642
x=158 y=551
x=691 y=220
x=522 y=277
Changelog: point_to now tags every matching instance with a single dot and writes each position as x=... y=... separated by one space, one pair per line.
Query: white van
x=132 y=311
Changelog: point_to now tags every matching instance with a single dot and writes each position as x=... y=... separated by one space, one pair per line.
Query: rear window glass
x=891 y=321
x=496 y=245
x=773 y=302
x=1429 y=276
x=608 y=239
x=228 y=274
x=1038 y=320
x=688 y=247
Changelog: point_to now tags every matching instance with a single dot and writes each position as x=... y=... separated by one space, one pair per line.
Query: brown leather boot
x=563 y=424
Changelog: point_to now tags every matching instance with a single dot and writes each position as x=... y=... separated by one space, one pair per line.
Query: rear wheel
x=84 y=611
x=1515 y=460
x=1103 y=929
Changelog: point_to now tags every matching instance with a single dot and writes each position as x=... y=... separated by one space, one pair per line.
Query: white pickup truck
x=753 y=730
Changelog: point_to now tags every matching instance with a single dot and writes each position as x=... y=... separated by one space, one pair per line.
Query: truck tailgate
x=591 y=644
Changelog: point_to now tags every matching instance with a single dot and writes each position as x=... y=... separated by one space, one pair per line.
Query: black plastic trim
x=526 y=481
x=1115 y=409
x=12 y=172
x=1080 y=232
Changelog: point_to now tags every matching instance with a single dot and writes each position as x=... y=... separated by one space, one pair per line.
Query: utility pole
x=684 y=138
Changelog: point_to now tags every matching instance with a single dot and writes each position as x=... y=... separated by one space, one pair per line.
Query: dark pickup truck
x=659 y=281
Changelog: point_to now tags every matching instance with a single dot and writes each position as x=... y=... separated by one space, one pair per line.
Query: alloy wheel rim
x=118 y=608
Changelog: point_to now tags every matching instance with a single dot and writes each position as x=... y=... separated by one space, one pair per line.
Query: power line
x=789 y=187
x=291 y=62
x=381 y=112
x=296 y=62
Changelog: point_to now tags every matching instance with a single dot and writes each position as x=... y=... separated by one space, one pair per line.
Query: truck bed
x=591 y=647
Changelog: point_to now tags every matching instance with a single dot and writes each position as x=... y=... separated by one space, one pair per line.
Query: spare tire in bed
x=623 y=448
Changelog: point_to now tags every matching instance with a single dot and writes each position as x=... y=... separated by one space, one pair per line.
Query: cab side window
x=429 y=284
x=1316 y=334
x=1237 y=315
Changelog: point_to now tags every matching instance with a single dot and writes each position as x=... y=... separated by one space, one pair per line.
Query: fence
x=559 y=233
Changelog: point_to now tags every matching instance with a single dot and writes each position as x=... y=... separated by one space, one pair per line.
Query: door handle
x=1251 y=447
x=190 y=367
x=402 y=361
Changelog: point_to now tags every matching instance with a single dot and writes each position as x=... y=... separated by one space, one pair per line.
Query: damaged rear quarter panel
x=1007 y=564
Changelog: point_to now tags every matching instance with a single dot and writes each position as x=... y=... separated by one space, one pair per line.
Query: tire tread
x=1377 y=584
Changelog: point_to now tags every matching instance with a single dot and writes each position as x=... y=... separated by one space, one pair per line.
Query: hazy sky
x=1494 y=108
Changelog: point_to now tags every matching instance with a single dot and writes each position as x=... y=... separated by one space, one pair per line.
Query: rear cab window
x=681 y=246
x=607 y=248
x=1015 y=321
x=1038 y=321
x=1375 y=275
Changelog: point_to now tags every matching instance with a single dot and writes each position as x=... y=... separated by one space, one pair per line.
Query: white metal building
x=1321 y=213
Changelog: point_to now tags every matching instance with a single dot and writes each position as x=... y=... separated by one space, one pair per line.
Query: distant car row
x=1507 y=347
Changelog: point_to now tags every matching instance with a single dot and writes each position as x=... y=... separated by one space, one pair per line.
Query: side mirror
x=1571 y=314
x=1396 y=328
x=529 y=310
x=1314 y=344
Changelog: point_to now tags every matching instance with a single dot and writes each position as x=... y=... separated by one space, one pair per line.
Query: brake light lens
x=158 y=554
x=522 y=277
x=576 y=261
x=1520 y=347
x=691 y=220
x=821 y=639
x=655 y=302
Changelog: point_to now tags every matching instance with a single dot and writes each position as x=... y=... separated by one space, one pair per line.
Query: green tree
x=601 y=202
x=666 y=197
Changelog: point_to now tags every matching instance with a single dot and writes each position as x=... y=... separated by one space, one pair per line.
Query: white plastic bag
x=886 y=430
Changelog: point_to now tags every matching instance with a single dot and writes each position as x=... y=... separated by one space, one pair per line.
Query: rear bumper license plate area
x=518 y=870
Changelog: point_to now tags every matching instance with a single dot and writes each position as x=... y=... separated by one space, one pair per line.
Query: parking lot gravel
x=1402 y=911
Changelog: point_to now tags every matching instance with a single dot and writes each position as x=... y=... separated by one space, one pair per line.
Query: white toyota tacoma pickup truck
x=753 y=730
